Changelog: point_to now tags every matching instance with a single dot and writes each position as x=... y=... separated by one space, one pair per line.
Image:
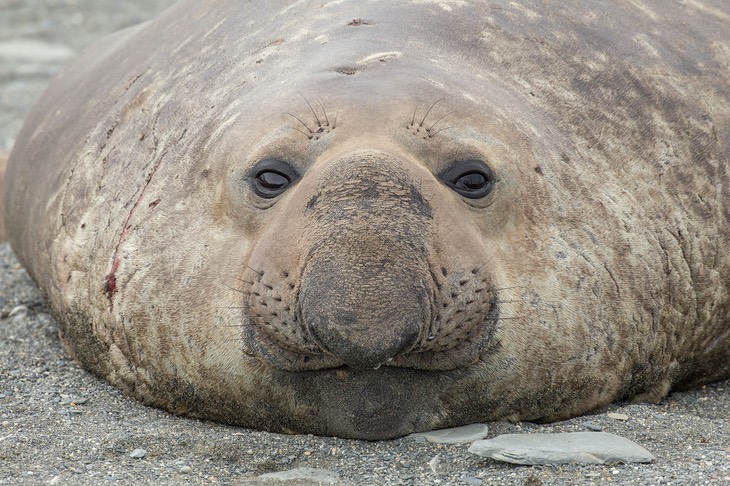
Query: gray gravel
x=61 y=425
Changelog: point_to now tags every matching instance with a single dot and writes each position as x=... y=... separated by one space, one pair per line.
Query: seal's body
x=372 y=218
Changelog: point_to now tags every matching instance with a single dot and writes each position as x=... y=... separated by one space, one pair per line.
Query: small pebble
x=592 y=426
x=73 y=400
x=138 y=453
x=321 y=476
x=472 y=480
x=618 y=416
x=455 y=435
x=18 y=309
x=186 y=470
x=434 y=463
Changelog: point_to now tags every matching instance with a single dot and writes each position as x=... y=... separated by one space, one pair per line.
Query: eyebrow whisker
x=324 y=112
x=434 y=123
x=429 y=110
x=413 y=119
x=319 y=123
x=300 y=121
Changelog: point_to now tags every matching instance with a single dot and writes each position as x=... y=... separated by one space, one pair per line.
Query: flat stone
x=138 y=453
x=434 y=463
x=592 y=426
x=73 y=400
x=17 y=310
x=455 y=435
x=321 y=476
x=574 y=447
x=618 y=416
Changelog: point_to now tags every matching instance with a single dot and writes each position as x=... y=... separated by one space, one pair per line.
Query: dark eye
x=271 y=177
x=470 y=178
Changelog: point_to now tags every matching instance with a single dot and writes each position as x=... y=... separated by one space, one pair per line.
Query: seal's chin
x=371 y=404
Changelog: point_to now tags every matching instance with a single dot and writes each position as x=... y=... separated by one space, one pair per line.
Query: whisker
x=504 y=318
x=242 y=281
x=429 y=110
x=476 y=270
x=300 y=121
x=257 y=272
x=413 y=119
x=324 y=112
x=303 y=133
x=240 y=291
x=434 y=123
x=319 y=124
x=439 y=131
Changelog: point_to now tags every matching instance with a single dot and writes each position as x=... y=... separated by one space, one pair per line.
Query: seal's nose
x=363 y=316
x=364 y=293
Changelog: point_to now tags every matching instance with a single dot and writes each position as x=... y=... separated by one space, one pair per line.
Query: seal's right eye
x=271 y=177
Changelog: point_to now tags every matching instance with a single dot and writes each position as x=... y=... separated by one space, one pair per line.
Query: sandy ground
x=61 y=425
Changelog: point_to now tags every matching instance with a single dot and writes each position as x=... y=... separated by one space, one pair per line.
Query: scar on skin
x=380 y=56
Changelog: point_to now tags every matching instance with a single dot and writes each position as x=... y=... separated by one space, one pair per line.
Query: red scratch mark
x=110 y=281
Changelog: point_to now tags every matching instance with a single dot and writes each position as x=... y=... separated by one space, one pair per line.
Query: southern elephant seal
x=371 y=218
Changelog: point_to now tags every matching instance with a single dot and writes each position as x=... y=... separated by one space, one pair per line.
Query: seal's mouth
x=435 y=352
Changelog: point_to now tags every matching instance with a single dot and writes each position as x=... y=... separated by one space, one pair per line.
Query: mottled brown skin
x=370 y=299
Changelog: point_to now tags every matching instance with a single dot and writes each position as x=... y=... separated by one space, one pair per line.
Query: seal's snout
x=364 y=316
x=364 y=296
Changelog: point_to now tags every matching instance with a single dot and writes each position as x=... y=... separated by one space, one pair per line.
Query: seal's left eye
x=271 y=178
x=471 y=182
x=472 y=179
